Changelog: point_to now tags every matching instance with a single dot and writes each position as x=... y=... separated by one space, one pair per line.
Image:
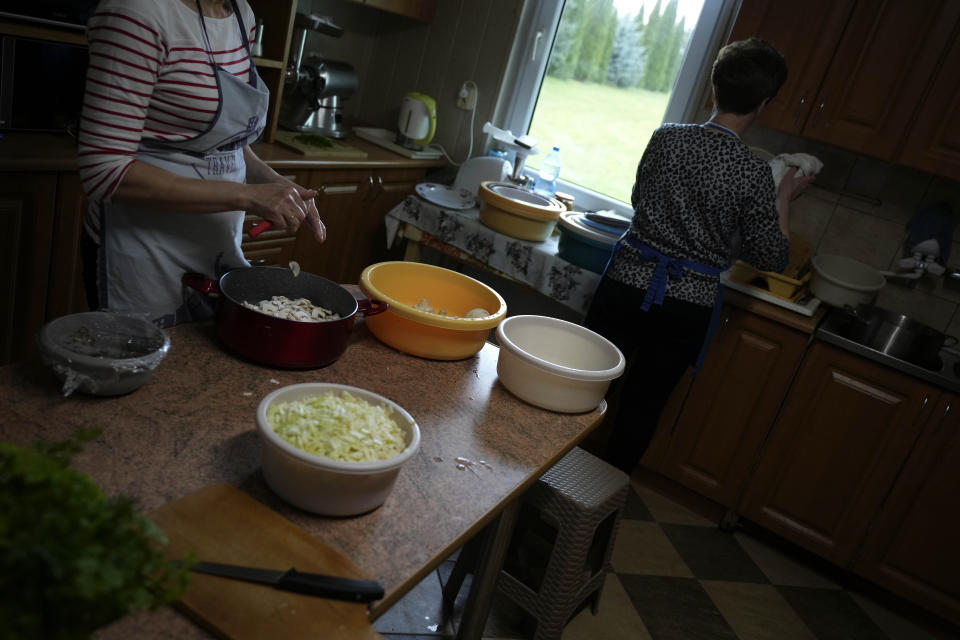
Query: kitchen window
x=596 y=77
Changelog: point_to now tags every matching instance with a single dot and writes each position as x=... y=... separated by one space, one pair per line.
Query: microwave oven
x=41 y=84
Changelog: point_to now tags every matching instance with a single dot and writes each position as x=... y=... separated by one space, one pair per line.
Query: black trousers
x=659 y=345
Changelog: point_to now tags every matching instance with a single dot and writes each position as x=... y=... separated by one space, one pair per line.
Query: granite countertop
x=192 y=425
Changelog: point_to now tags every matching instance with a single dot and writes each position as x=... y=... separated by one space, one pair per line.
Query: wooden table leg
x=494 y=548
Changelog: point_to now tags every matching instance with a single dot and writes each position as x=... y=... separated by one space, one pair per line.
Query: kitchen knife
x=311 y=584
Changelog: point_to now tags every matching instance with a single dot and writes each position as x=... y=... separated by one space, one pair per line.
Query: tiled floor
x=678 y=577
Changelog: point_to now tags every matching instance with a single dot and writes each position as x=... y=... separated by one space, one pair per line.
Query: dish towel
x=935 y=221
x=806 y=164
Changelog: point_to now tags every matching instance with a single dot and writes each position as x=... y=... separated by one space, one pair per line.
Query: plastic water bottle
x=546 y=182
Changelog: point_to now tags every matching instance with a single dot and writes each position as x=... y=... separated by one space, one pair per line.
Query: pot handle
x=204 y=285
x=259 y=228
x=371 y=307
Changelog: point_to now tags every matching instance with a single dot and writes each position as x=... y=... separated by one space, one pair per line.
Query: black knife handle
x=330 y=586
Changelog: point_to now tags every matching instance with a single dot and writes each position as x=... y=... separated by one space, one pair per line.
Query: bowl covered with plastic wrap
x=102 y=353
x=333 y=449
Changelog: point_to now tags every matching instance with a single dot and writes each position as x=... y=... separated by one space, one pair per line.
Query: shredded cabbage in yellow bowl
x=338 y=426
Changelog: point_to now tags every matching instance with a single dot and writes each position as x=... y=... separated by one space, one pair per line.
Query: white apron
x=143 y=254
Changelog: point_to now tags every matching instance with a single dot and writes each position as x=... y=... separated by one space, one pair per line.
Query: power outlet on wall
x=467 y=97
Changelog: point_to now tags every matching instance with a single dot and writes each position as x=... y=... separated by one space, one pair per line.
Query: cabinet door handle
x=369 y=194
x=380 y=188
x=923 y=405
x=942 y=421
x=796 y=114
x=261 y=261
x=723 y=325
x=816 y=115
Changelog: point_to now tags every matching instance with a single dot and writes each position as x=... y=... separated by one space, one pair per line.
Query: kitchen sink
x=876 y=340
x=875 y=332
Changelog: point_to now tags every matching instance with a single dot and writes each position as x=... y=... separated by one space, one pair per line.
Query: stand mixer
x=314 y=88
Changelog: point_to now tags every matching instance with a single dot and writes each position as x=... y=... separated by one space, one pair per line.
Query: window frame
x=526 y=67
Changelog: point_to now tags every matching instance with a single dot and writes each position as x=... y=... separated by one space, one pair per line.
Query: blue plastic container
x=583 y=245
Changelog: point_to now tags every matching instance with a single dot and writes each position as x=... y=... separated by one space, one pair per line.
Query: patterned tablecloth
x=461 y=233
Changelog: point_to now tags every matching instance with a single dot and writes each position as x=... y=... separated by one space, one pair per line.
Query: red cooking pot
x=279 y=342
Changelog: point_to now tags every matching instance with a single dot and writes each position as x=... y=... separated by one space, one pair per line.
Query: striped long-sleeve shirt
x=150 y=78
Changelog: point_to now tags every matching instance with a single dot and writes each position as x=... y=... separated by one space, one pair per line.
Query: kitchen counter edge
x=58 y=152
x=805 y=324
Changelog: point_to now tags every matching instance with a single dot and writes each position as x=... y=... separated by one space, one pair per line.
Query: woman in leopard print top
x=701 y=200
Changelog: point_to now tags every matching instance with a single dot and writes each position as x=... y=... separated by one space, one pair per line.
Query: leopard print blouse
x=701 y=195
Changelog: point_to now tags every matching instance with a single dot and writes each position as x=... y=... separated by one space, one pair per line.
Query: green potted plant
x=71 y=558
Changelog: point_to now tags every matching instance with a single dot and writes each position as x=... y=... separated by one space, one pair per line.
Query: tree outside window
x=608 y=81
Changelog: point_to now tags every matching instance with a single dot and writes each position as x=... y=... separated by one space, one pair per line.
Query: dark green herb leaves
x=73 y=559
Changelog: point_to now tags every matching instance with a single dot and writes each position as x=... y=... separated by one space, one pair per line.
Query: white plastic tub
x=555 y=364
x=841 y=281
x=323 y=485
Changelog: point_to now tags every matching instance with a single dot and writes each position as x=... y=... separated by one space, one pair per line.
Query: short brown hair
x=746 y=73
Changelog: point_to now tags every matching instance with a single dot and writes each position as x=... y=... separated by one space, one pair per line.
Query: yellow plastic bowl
x=403 y=285
x=518 y=213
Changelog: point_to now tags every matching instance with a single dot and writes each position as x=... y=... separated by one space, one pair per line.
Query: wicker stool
x=560 y=551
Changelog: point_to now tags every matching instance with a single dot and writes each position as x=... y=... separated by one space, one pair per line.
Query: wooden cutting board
x=336 y=149
x=223 y=524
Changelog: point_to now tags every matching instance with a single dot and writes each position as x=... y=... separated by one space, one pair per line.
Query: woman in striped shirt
x=172 y=103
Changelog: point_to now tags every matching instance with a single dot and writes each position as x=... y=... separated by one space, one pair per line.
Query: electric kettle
x=418 y=120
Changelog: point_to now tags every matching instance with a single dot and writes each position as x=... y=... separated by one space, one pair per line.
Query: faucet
x=923 y=261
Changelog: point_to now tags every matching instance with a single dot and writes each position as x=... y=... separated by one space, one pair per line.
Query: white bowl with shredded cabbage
x=333 y=449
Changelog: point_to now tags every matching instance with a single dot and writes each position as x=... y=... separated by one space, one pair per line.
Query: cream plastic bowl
x=517 y=212
x=323 y=485
x=841 y=281
x=555 y=364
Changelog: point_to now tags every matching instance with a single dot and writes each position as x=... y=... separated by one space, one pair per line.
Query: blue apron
x=144 y=253
x=672 y=268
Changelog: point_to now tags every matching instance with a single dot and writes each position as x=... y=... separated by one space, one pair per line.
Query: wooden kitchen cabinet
x=788 y=26
x=858 y=69
x=40 y=268
x=27 y=210
x=911 y=548
x=65 y=292
x=933 y=142
x=835 y=450
x=353 y=204
x=422 y=10
x=887 y=57
x=732 y=404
